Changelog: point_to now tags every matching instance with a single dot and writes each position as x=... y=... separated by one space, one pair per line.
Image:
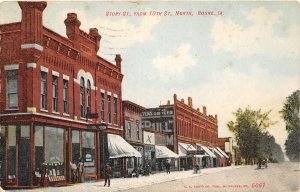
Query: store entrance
x=24 y=162
x=24 y=156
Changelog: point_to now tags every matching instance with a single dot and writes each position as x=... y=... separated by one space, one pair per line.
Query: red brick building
x=59 y=99
x=188 y=130
x=132 y=121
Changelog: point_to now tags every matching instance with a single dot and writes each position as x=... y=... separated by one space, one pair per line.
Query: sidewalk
x=121 y=184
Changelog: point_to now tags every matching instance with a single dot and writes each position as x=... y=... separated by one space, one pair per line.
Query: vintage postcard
x=149 y=96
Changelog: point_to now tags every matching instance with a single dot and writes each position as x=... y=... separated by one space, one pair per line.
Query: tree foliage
x=252 y=138
x=290 y=114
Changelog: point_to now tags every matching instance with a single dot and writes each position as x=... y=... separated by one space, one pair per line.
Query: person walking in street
x=168 y=166
x=107 y=174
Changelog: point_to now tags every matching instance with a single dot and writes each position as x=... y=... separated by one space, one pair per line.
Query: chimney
x=32 y=21
x=182 y=100
x=94 y=33
x=204 y=110
x=168 y=103
x=118 y=60
x=190 y=102
x=198 y=109
x=72 y=26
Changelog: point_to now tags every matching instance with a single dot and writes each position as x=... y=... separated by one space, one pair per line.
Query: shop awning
x=200 y=156
x=217 y=152
x=184 y=148
x=223 y=153
x=164 y=152
x=211 y=154
x=118 y=147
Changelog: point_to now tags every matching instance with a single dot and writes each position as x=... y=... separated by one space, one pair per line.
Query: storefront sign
x=149 y=138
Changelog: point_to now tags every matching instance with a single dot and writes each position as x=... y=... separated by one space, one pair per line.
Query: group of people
x=77 y=171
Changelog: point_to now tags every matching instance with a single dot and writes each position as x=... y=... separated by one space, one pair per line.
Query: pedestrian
x=43 y=174
x=168 y=166
x=107 y=174
x=80 y=170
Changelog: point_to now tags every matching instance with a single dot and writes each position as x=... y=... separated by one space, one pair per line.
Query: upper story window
x=54 y=93
x=115 y=110
x=66 y=96
x=128 y=129
x=88 y=96
x=82 y=98
x=102 y=107
x=12 y=89
x=109 y=108
x=43 y=90
x=137 y=128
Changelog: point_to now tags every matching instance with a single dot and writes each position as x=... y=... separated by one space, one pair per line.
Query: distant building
x=226 y=145
x=190 y=133
x=133 y=133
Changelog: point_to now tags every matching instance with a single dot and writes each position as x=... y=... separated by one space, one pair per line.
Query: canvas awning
x=200 y=156
x=217 y=152
x=184 y=148
x=164 y=152
x=118 y=147
x=211 y=154
x=223 y=153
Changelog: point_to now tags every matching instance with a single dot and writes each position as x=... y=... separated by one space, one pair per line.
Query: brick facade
x=43 y=60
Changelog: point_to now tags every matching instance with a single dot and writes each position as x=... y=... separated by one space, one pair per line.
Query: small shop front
x=208 y=158
x=120 y=153
x=38 y=154
x=226 y=157
x=186 y=153
x=163 y=154
x=220 y=162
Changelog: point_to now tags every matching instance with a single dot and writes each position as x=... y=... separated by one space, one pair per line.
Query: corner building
x=59 y=100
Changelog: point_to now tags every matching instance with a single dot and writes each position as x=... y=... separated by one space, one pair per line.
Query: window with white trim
x=88 y=96
x=128 y=129
x=109 y=108
x=43 y=90
x=12 y=89
x=54 y=93
x=82 y=98
x=102 y=107
x=115 y=110
x=66 y=96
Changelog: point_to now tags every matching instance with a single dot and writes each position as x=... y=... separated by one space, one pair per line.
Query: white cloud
x=229 y=90
x=259 y=37
x=174 y=63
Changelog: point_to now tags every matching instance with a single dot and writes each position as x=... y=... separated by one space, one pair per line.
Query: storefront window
x=88 y=151
x=2 y=151
x=11 y=165
x=75 y=146
x=39 y=146
x=54 y=148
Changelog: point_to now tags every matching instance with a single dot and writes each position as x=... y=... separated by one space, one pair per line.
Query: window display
x=2 y=151
x=11 y=163
x=54 y=148
x=88 y=151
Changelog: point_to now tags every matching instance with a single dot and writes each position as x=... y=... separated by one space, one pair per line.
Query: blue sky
x=247 y=56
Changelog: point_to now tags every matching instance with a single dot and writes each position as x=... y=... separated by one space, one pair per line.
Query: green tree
x=290 y=114
x=247 y=129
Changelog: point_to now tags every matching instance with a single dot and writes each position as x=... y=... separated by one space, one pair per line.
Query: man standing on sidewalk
x=168 y=166
x=107 y=174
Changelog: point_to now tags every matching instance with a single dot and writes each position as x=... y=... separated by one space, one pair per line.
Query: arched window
x=82 y=98
x=88 y=96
